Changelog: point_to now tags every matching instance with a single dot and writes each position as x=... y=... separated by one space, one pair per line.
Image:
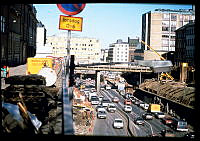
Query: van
x=179 y=125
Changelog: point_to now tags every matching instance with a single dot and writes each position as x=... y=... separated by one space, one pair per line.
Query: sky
x=106 y=22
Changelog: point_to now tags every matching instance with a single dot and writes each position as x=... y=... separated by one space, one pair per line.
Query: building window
x=165 y=36
x=173 y=17
x=3 y=23
x=173 y=29
x=173 y=23
x=165 y=16
x=165 y=28
x=165 y=23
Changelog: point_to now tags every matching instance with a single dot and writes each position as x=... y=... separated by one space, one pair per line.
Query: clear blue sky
x=105 y=21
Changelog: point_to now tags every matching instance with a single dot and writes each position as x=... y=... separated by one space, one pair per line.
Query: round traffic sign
x=71 y=9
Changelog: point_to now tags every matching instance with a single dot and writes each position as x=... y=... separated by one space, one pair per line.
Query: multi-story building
x=133 y=44
x=158 y=30
x=185 y=46
x=41 y=34
x=18 y=33
x=86 y=50
x=119 y=51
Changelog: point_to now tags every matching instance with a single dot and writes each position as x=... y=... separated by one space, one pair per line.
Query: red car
x=167 y=120
x=115 y=99
x=127 y=102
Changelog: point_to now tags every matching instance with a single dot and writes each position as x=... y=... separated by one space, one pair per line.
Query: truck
x=153 y=108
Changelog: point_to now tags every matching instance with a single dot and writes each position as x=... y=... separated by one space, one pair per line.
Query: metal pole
x=67 y=106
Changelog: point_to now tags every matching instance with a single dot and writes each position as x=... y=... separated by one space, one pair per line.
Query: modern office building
x=86 y=50
x=119 y=51
x=18 y=33
x=158 y=30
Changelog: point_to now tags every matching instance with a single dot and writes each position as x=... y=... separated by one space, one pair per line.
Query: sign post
x=68 y=23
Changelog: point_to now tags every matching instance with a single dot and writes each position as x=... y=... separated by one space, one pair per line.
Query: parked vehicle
x=153 y=108
x=115 y=99
x=101 y=114
x=147 y=116
x=111 y=107
x=127 y=108
x=159 y=115
x=118 y=123
x=127 y=102
x=139 y=121
x=179 y=125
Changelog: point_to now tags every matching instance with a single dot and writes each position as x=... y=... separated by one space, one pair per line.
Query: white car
x=111 y=107
x=101 y=114
x=118 y=123
x=159 y=115
x=127 y=108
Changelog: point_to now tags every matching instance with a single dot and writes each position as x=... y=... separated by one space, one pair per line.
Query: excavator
x=163 y=74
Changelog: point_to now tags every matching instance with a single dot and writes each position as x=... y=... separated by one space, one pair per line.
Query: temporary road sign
x=70 y=23
x=71 y=9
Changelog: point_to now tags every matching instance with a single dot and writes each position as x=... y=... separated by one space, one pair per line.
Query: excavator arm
x=162 y=58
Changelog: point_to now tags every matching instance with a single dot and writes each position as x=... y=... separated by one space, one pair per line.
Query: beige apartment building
x=158 y=30
x=86 y=50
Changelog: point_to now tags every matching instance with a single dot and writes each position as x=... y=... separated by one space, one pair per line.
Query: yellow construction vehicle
x=162 y=58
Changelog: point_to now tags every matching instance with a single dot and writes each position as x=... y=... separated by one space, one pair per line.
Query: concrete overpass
x=156 y=66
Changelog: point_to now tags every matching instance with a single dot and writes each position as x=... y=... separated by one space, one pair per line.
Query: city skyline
x=105 y=22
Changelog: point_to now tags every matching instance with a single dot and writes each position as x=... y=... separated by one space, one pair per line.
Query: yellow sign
x=70 y=23
x=35 y=64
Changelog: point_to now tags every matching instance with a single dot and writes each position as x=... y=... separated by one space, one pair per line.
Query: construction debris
x=175 y=91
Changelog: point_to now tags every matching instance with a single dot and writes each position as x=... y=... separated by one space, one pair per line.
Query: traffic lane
x=104 y=127
x=138 y=130
x=148 y=128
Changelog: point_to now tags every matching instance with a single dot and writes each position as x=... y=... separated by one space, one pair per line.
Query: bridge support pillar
x=97 y=85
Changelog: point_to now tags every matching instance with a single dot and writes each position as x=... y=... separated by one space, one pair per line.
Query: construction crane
x=162 y=58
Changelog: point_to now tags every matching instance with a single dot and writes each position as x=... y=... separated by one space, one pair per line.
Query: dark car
x=190 y=135
x=147 y=116
x=139 y=121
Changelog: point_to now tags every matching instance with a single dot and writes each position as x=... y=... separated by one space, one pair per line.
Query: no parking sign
x=71 y=9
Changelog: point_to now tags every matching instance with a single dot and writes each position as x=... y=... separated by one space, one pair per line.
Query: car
x=127 y=108
x=139 y=121
x=115 y=99
x=167 y=120
x=101 y=114
x=167 y=133
x=127 y=102
x=147 y=116
x=111 y=107
x=179 y=125
x=94 y=100
x=118 y=123
x=100 y=98
x=105 y=102
x=159 y=115
x=99 y=107
x=190 y=135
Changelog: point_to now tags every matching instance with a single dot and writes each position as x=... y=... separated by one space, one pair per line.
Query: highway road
x=104 y=126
